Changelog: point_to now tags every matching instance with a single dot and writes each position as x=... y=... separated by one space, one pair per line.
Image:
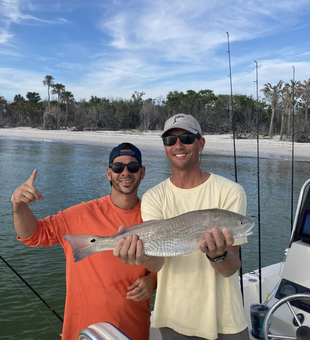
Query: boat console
x=289 y=314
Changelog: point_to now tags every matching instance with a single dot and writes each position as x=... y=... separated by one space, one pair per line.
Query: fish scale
x=175 y=236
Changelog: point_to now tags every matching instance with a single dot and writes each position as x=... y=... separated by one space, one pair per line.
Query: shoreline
x=215 y=144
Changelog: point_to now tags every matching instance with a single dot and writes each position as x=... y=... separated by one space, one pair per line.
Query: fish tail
x=82 y=245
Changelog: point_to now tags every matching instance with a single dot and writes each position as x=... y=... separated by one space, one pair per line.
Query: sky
x=111 y=49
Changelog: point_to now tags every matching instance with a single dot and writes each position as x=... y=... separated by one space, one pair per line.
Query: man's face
x=184 y=156
x=125 y=182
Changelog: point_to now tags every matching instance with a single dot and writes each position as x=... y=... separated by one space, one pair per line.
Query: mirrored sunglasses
x=119 y=167
x=186 y=138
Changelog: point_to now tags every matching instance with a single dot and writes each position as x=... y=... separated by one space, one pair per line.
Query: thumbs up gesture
x=27 y=193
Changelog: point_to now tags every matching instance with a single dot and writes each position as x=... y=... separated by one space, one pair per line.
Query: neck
x=124 y=201
x=188 y=180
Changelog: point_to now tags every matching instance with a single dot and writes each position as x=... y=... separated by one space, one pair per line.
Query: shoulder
x=154 y=200
x=225 y=183
x=84 y=206
x=158 y=189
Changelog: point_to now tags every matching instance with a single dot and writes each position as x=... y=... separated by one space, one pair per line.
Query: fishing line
x=28 y=285
x=33 y=303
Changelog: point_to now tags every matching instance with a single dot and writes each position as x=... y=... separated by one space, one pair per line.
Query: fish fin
x=137 y=226
x=82 y=245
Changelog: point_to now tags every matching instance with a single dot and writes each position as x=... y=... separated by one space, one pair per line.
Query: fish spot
x=93 y=240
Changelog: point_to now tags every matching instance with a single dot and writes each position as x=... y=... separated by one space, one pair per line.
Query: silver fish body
x=179 y=235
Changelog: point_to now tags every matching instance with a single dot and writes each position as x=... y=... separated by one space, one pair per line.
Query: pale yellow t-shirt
x=191 y=297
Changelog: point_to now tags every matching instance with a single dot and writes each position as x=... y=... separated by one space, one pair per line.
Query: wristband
x=218 y=259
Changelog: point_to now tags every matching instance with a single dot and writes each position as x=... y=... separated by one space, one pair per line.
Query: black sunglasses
x=186 y=138
x=119 y=167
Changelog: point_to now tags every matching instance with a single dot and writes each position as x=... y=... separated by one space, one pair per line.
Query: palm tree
x=303 y=89
x=67 y=97
x=49 y=81
x=58 y=89
x=289 y=88
x=286 y=103
x=272 y=94
x=19 y=99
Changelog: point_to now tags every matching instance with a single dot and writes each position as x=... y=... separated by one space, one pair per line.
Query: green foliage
x=33 y=97
x=216 y=113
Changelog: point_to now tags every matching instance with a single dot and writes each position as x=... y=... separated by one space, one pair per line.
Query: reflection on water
x=71 y=173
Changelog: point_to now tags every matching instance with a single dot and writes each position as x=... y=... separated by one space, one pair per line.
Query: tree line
x=281 y=105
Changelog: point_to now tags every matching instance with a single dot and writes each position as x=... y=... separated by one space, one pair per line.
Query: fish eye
x=240 y=222
x=93 y=240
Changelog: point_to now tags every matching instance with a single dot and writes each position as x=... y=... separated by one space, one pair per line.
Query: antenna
x=258 y=191
x=293 y=137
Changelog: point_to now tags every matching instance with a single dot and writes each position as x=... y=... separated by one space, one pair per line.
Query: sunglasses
x=119 y=167
x=186 y=138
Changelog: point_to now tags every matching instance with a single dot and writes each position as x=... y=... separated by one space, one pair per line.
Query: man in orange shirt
x=101 y=287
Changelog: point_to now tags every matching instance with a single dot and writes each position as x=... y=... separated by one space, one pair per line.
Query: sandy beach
x=215 y=144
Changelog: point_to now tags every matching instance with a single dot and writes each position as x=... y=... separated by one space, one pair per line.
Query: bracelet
x=219 y=258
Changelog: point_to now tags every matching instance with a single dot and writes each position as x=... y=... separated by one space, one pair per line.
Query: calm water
x=71 y=173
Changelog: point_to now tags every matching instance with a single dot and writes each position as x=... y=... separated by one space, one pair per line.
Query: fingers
x=130 y=250
x=125 y=249
x=139 y=293
x=32 y=178
x=27 y=193
x=121 y=227
x=118 y=247
x=216 y=242
x=139 y=290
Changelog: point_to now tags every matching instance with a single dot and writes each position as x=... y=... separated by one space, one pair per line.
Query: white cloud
x=5 y=37
x=156 y=46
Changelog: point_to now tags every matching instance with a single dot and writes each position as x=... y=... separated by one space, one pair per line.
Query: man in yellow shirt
x=198 y=295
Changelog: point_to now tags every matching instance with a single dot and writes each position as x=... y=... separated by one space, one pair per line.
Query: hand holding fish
x=130 y=250
x=216 y=242
x=27 y=193
x=142 y=288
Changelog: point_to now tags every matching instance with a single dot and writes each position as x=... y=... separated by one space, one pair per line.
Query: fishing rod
x=28 y=285
x=258 y=192
x=293 y=137
x=232 y=112
x=235 y=155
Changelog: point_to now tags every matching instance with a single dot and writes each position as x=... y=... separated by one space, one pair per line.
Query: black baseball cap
x=125 y=149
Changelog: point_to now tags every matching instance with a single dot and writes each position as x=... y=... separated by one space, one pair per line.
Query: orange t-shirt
x=97 y=285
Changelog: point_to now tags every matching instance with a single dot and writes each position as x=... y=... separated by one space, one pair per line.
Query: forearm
x=231 y=264
x=25 y=222
x=154 y=264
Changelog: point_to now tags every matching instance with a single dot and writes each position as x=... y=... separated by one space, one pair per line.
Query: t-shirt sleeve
x=151 y=206
x=50 y=230
x=44 y=235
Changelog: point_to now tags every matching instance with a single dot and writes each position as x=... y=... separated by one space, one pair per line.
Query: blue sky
x=113 y=48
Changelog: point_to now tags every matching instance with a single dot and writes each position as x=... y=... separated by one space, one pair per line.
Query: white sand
x=215 y=144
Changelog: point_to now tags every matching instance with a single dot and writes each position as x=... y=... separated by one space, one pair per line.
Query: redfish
x=175 y=236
